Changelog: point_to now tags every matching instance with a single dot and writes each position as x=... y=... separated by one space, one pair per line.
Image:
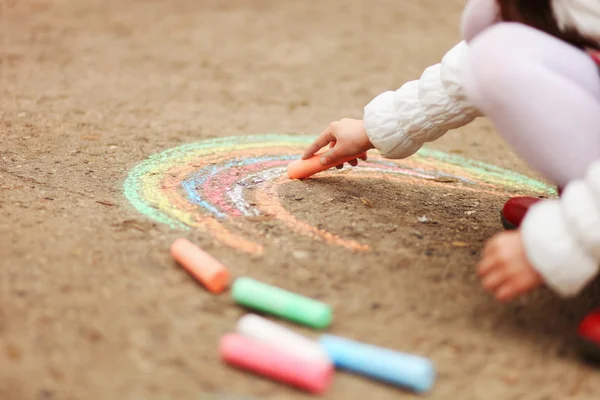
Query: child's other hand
x=505 y=270
x=346 y=137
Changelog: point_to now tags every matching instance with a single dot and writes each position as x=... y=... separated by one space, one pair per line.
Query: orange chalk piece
x=300 y=169
x=259 y=357
x=201 y=265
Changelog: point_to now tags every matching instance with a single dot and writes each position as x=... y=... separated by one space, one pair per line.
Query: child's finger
x=506 y=292
x=493 y=280
x=524 y=282
x=323 y=140
x=354 y=163
x=492 y=245
x=486 y=265
x=364 y=158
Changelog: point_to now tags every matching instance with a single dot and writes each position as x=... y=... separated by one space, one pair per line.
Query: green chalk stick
x=282 y=303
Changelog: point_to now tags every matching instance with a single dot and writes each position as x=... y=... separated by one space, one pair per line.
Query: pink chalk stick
x=243 y=352
x=301 y=169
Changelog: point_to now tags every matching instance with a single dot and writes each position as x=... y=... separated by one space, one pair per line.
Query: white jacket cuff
x=555 y=251
x=398 y=123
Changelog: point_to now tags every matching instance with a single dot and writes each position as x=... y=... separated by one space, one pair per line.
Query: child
x=528 y=65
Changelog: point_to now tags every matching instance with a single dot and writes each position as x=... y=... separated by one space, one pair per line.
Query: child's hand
x=505 y=270
x=346 y=138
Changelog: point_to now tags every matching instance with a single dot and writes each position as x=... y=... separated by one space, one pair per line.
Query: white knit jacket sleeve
x=399 y=123
x=562 y=237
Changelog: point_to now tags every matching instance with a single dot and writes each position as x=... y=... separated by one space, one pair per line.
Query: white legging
x=541 y=94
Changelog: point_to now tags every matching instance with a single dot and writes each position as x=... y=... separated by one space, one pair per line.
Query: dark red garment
x=589 y=337
x=589 y=329
x=515 y=209
x=595 y=55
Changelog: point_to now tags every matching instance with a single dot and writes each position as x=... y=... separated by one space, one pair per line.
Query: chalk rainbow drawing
x=207 y=185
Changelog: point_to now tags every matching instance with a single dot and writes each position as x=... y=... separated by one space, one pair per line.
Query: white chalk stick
x=286 y=340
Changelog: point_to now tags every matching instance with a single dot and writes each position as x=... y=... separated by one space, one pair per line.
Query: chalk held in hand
x=201 y=265
x=282 y=338
x=259 y=357
x=407 y=370
x=282 y=303
x=300 y=169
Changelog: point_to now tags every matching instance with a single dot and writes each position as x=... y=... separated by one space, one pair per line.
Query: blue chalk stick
x=406 y=370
